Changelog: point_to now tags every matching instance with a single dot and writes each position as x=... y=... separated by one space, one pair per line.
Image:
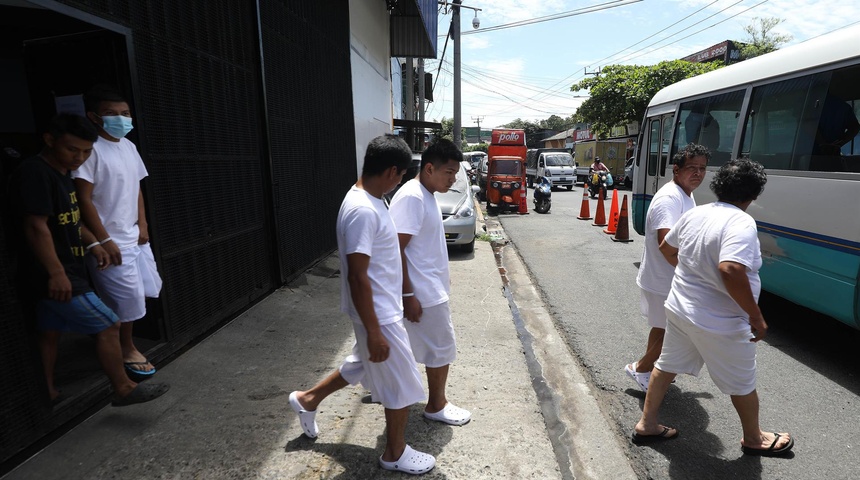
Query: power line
x=547 y=18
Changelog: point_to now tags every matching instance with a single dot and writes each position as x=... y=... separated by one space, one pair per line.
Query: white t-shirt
x=115 y=169
x=667 y=206
x=364 y=226
x=416 y=212
x=705 y=236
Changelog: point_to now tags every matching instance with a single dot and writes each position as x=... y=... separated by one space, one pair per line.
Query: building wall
x=371 y=72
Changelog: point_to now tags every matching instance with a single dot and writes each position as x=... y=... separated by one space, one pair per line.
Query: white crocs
x=641 y=378
x=412 y=461
x=451 y=414
x=306 y=418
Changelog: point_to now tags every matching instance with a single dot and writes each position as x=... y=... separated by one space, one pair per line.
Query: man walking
x=655 y=273
x=426 y=280
x=372 y=277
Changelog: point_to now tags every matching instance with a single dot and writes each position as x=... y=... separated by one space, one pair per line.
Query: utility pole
x=455 y=36
x=478 y=121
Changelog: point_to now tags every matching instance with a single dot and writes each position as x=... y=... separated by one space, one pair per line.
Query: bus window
x=836 y=146
x=711 y=122
x=668 y=120
x=654 y=147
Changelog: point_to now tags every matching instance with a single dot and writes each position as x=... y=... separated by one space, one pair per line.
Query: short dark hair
x=691 y=150
x=739 y=181
x=384 y=152
x=71 y=124
x=439 y=152
x=101 y=93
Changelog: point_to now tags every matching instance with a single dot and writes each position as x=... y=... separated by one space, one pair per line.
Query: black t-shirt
x=39 y=189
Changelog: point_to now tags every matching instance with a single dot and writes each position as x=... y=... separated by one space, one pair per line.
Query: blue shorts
x=84 y=314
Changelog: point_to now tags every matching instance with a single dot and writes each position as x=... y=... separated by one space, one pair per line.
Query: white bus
x=786 y=110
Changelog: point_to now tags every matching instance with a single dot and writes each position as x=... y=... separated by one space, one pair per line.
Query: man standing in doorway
x=112 y=208
x=655 y=273
x=426 y=280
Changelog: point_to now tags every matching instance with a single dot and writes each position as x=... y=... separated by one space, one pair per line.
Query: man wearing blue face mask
x=112 y=208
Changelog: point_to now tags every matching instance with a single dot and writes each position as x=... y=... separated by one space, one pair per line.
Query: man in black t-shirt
x=53 y=269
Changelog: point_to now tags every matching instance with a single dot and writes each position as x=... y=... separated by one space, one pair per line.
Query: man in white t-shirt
x=112 y=207
x=426 y=280
x=655 y=273
x=371 y=278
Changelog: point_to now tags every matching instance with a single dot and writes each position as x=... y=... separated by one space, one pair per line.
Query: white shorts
x=432 y=338
x=396 y=382
x=123 y=288
x=730 y=356
x=652 y=308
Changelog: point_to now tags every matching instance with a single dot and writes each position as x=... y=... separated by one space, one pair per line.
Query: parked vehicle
x=542 y=195
x=597 y=181
x=458 y=212
x=481 y=177
x=554 y=163
x=506 y=172
x=474 y=158
x=627 y=181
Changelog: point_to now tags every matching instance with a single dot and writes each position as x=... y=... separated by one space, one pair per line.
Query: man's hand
x=143 y=237
x=102 y=257
x=377 y=346
x=113 y=252
x=59 y=287
x=758 y=327
x=412 y=309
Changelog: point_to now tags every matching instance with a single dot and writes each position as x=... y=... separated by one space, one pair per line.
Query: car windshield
x=461 y=182
x=559 y=161
x=506 y=167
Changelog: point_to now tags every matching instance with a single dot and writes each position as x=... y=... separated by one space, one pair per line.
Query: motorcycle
x=599 y=180
x=542 y=194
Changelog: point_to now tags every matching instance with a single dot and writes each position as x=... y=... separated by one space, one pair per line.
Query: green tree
x=478 y=147
x=761 y=37
x=447 y=130
x=620 y=94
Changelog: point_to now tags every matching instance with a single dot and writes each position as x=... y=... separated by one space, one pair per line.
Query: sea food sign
x=509 y=137
x=726 y=51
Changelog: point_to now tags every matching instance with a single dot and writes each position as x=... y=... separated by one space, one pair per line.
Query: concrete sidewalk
x=227 y=416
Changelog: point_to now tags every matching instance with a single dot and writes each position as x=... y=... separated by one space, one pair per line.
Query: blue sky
x=526 y=72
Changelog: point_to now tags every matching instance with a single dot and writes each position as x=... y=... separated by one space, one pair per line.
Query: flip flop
x=306 y=418
x=142 y=393
x=451 y=414
x=770 y=451
x=135 y=371
x=412 y=461
x=640 y=439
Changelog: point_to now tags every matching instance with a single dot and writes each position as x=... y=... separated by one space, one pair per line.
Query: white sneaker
x=306 y=418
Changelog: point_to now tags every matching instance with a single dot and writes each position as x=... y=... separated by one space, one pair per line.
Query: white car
x=458 y=212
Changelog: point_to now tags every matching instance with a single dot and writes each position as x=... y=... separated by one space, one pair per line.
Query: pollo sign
x=508 y=137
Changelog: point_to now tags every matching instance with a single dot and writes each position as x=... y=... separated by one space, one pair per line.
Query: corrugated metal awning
x=413 y=25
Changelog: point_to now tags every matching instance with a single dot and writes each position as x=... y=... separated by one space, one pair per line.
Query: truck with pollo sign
x=506 y=173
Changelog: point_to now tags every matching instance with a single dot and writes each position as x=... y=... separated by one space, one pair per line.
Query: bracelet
x=410 y=294
x=94 y=244
x=108 y=239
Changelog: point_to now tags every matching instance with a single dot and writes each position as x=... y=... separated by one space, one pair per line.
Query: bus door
x=654 y=156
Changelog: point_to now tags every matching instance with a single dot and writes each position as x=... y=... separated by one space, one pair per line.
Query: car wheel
x=570 y=187
x=469 y=247
x=530 y=182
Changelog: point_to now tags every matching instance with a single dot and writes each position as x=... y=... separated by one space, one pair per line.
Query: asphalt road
x=808 y=380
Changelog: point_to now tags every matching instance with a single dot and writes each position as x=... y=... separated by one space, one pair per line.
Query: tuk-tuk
x=505 y=181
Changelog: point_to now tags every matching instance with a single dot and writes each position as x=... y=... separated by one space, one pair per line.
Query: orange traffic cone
x=584 y=212
x=613 y=216
x=524 y=207
x=600 y=216
x=622 y=233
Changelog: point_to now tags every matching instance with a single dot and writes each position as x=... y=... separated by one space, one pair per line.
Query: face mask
x=117 y=126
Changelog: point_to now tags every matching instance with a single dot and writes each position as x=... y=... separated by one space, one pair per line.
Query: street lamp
x=455 y=37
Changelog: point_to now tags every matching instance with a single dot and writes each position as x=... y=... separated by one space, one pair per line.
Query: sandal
x=412 y=461
x=770 y=451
